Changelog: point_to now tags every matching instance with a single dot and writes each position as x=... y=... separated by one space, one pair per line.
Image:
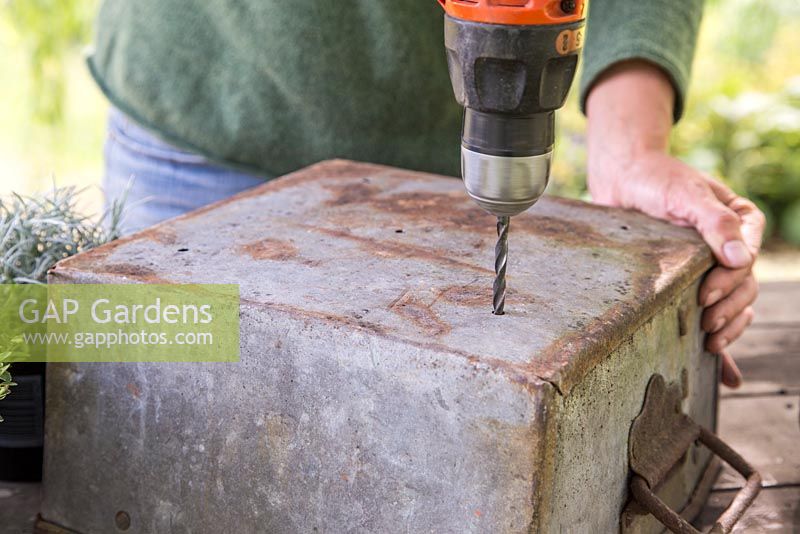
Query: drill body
x=511 y=64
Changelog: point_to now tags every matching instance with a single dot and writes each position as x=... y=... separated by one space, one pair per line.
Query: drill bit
x=500 y=261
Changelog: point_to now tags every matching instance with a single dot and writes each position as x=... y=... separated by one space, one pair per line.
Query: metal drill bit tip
x=500 y=262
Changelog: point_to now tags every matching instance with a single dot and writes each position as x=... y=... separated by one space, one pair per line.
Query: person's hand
x=630 y=115
x=666 y=188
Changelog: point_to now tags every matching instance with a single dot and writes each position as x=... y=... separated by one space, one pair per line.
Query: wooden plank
x=19 y=504
x=774 y=510
x=773 y=374
x=765 y=431
x=777 y=303
x=757 y=341
x=769 y=358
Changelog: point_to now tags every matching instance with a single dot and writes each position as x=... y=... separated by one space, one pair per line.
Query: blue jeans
x=164 y=181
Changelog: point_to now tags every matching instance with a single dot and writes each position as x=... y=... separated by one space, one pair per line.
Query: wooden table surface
x=761 y=420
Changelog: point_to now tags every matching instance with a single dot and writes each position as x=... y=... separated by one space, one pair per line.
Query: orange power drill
x=511 y=64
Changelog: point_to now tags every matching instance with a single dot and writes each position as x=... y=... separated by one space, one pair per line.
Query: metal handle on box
x=670 y=518
x=660 y=436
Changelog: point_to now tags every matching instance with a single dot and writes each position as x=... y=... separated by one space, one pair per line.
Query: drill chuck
x=505 y=159
x=502 y=185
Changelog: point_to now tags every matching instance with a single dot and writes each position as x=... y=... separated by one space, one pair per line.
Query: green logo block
x=119 y=323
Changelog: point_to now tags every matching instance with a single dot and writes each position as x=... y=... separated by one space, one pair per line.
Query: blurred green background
x=742 y=121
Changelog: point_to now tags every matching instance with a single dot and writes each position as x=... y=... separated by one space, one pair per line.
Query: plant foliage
x=5 y=374
x=753 y=141
x=36 y=232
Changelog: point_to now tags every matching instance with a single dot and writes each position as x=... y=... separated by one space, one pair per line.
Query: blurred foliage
x=742 y=120
x=5 y=374
x=36 y=232
x=50 y=30
x=753 y=141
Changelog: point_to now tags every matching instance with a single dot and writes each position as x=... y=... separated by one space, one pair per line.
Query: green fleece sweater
x=271 y=86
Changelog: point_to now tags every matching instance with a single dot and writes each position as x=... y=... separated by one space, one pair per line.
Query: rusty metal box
x=376 y=392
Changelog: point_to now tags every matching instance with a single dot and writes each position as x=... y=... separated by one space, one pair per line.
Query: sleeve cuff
x=676 y=71
x=662 y=32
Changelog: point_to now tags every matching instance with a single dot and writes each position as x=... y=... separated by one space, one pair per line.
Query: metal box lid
x=408 y=256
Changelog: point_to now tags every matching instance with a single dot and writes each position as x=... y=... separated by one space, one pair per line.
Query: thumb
x=720 y=226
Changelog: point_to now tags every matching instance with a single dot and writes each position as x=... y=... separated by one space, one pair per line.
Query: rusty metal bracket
x=660 y=435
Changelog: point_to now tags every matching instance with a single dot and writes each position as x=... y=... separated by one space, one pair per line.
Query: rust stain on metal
x=420 y=314
x=131 y=270
x=128 y=269
x=392 y=249
x=586 y=206
x=164 y=235
x=446 y=210
x=467 y=295
x=67 y=270
x=566 y=231
x=270 y=249
x=90 y=257
x=160 y=233
x=351 y=192
x=543 y=436
x=455 y=210
x=134 y=390
x=478 y=294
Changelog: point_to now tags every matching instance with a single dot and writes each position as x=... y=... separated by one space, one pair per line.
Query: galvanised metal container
x=376 y=391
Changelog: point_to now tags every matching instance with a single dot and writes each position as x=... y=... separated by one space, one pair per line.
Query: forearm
x=630 y=110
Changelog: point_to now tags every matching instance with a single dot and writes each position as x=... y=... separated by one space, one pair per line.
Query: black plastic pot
x=22 y=431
